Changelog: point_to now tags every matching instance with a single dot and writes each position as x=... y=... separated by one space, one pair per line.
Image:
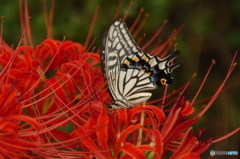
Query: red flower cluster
x=43 y=87
x=52 y=104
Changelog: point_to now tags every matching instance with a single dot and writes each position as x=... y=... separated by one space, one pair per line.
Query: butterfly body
x=128 y=71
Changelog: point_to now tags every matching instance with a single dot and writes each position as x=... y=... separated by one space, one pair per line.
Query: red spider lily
x=57 y=53
x=53 y=104
x=13 y=123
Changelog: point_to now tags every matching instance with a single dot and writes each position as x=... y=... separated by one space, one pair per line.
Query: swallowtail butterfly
x=130 y=72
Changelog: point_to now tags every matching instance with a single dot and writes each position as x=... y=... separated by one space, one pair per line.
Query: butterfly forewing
x=116 y=46
x=128 y=71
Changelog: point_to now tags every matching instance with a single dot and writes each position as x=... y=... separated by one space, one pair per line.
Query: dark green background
x=212 y=31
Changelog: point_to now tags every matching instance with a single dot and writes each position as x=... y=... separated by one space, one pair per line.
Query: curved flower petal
x=132 y=151
x=188 y=109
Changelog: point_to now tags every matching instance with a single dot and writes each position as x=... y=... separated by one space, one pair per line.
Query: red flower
x=52 y=53
x=13 y=126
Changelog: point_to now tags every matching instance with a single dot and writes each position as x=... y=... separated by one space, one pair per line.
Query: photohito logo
x=212 y=152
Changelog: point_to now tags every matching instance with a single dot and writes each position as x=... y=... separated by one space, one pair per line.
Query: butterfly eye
x=163 y=81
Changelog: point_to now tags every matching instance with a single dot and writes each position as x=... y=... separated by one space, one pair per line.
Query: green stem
x=139 y=141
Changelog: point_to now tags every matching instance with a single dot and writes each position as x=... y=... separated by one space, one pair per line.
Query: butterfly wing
x=117 y=44
x=128 y=71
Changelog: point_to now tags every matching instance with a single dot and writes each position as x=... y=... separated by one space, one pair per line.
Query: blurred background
x=212 y=31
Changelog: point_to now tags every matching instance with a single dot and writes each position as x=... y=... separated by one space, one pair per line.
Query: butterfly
x=130 y=73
